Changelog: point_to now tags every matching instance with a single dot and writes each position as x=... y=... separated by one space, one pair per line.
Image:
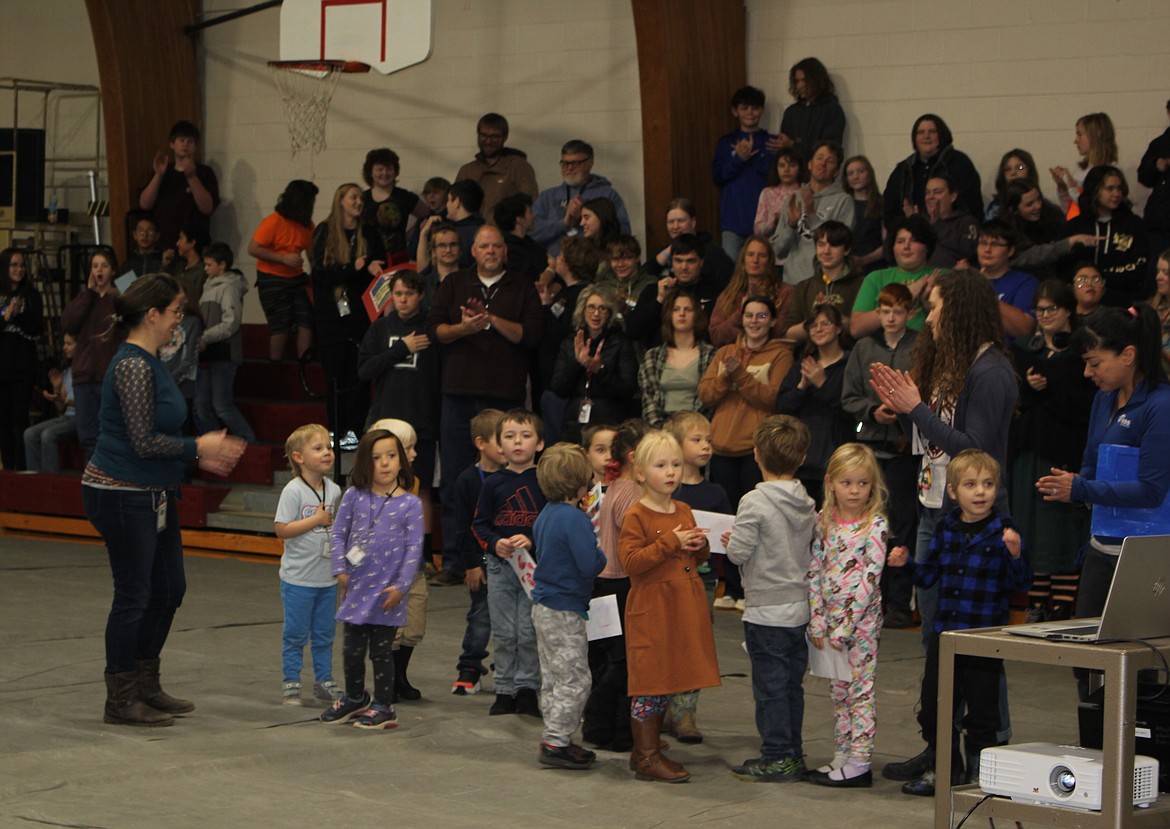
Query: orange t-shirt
x=279 y=234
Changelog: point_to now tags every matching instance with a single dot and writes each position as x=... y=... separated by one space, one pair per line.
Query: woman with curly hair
x=755 y=275
x=960 y=395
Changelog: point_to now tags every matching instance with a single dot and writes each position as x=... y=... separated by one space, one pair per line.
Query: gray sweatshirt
x=772 y=542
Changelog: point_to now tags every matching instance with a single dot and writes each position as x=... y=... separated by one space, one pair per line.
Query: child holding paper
x=693 y=431
x=848 y=553
x=508 y=506
x=569 y=559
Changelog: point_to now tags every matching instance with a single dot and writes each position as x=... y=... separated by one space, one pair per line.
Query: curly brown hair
x=969 y=319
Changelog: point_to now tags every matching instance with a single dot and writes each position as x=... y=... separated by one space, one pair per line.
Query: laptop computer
x=1138 y=604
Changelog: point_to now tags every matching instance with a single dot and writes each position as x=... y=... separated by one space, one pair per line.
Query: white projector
x=1061 y=775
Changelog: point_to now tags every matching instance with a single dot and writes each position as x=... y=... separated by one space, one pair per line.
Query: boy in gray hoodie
x=771 y=542
x=221 y=349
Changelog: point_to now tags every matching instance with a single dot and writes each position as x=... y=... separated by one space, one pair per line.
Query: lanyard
x=320 y=498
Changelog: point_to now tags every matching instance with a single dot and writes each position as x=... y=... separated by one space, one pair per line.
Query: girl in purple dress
x=377 y=541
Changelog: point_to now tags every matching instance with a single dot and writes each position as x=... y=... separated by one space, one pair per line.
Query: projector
x=1058 y=775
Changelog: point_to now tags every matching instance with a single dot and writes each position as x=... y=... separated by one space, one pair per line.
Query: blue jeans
x=517 y=659
x=456 y=453
x=40 y=443
x=147 y=566
x=308 y=617
x=779 y=659
x=477 y=633
x=732 y=243
x=215 y=401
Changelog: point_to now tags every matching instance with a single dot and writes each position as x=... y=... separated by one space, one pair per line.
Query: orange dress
x=670 y=648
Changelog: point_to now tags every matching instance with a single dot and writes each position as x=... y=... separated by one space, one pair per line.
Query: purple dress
x=390 y=531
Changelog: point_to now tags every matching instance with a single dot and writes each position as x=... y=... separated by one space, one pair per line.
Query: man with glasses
x=558 y=210
x=996 y=247
x=501 y=171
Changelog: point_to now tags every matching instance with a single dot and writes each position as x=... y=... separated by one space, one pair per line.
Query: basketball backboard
x=387 y=34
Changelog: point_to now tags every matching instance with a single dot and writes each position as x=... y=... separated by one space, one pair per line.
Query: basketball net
x=306 y=89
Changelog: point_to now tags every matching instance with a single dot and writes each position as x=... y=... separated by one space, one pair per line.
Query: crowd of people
x=899 y=394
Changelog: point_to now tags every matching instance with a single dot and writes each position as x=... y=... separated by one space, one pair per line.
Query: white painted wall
x=1002 y=73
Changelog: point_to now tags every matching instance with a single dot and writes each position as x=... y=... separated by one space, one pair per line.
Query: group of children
x=615 y=517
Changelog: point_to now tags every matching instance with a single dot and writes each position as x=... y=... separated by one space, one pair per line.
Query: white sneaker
x=740 y=605
x=724 y=603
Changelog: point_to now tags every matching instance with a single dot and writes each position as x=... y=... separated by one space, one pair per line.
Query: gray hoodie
x=832 y=203
x=772 y=542
x=222 y=306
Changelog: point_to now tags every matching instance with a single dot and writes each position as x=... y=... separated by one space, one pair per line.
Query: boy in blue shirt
x=740 y=168
x=568 y=560
x=975 y=558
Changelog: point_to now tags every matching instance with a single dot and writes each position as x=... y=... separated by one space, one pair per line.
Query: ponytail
x=1115 y=329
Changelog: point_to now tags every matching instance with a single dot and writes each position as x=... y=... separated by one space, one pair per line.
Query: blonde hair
x=403 y=430
x=486 y=424
x=298 y=439
x=681 y=424
x=853 y=456
x=563 y=471
x=970 y=459
x=654 y=444
x=337 y=250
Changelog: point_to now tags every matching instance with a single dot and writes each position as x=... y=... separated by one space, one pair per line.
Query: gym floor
x=242 y=759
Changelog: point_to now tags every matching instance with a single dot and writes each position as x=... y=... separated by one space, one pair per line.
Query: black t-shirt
x=389 y=217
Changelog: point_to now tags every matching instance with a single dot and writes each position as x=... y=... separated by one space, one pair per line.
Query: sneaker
x=345 y=708
x=327 y=691
x=504 y=704
x=467 y=685
x=740 y=605
x=349 y=443
x=1036 y=613
x=760 y=770
x=571 y=756
x=724 y=602
x=527 y=703
x=922 y=787
x=377 y=717
x=290 y=693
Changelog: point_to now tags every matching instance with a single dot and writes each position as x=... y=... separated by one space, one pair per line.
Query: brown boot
x=686 y=730
x=123 y=706
x=151 y=692
x=647 y=759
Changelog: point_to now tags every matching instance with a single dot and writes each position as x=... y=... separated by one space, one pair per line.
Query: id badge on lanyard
x=160 y=513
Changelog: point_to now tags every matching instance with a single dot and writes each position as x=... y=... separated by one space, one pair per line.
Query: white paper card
x=123 y=282
x=604 y=620
x=716 y=524
x=829 y=663
x=525 y=569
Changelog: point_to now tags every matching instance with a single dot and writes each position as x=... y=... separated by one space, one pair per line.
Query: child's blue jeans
x=515 y=653
x=308 y=617
x=779 y=659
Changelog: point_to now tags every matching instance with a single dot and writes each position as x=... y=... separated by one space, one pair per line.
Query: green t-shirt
x=867 y=296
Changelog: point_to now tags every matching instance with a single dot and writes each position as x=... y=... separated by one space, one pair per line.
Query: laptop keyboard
x=1081 y=631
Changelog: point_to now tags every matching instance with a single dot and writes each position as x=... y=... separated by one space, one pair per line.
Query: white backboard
x=387 y=34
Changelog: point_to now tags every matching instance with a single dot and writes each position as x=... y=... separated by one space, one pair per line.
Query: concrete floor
x=243 y=760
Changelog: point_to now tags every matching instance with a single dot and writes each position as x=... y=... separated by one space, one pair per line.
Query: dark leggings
x=378 y=640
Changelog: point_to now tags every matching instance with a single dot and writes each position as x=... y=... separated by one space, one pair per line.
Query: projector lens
x=1063 y=781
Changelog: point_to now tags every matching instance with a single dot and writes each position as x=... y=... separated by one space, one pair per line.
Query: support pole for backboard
x=224 y=18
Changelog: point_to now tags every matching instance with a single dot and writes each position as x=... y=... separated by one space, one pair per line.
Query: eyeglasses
x=1084 y=281
x=820 y=324
x=572 y=163
x=1047 y=310
x=596 y=309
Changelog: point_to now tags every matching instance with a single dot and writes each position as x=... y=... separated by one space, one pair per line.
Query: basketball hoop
x=306 y=88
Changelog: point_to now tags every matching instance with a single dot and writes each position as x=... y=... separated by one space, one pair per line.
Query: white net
x=306 y=93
